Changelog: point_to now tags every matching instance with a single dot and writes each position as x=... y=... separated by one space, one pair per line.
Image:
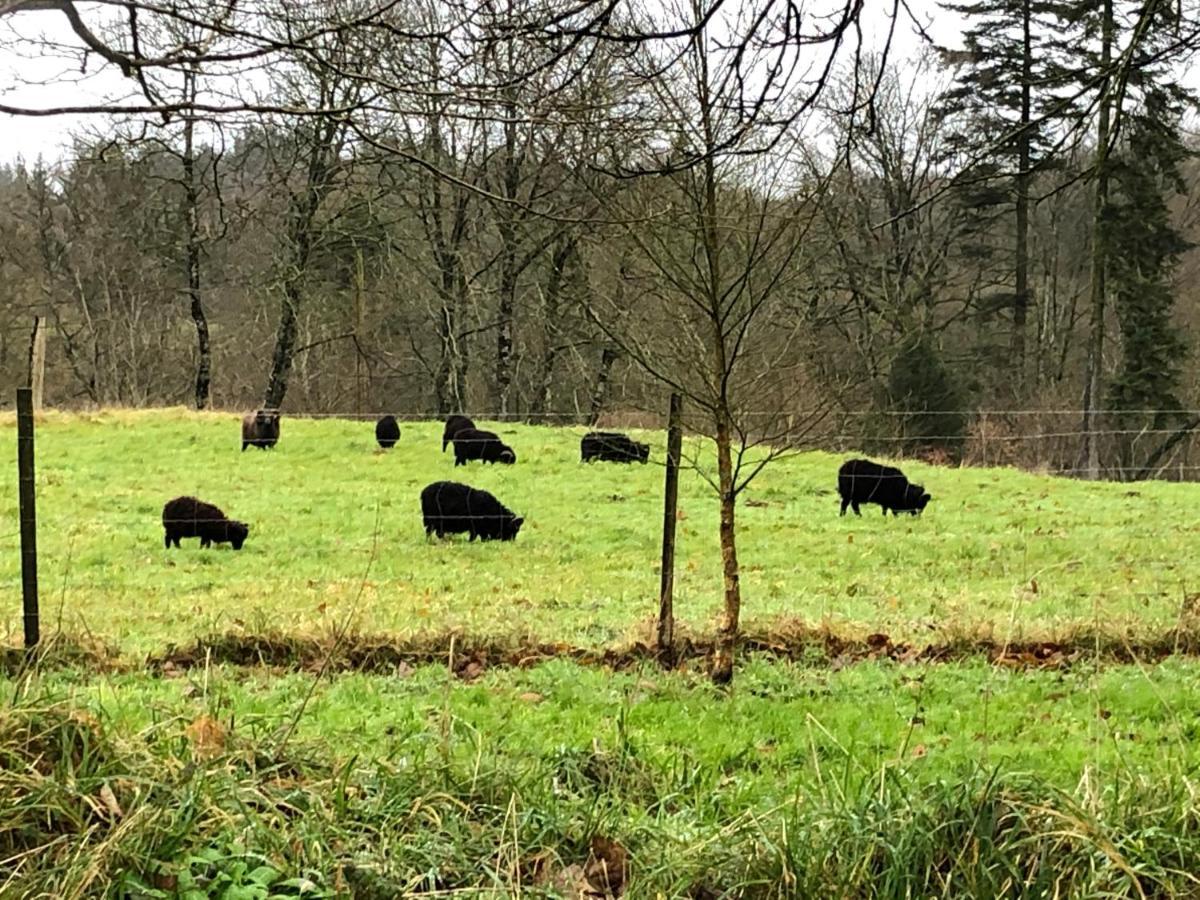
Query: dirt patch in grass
x=60 y=651
x=469 y=655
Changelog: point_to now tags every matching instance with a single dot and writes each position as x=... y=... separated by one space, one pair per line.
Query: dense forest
x=983 y=252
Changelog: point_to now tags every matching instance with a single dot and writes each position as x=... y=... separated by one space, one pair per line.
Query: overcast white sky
x=41 y=82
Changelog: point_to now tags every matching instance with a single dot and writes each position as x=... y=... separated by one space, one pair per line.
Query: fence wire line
x=496 y=415
x=784 y=432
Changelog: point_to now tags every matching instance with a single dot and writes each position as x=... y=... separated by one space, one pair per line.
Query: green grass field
x=810 y=777
x=336 y=531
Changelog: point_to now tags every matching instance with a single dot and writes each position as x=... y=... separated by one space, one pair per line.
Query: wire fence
x=340 y=498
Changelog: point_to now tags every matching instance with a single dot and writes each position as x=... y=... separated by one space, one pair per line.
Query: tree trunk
x=600 y=391
x=301 y=219
x=1093 y=383
x=452 y=366
x=37 y=362
x=285 y=346
x=191 y=216
x=508 y=269
x=550 y=350
x=722 y=668
x=504 y=343
x=727 y=634
x=1021 y=301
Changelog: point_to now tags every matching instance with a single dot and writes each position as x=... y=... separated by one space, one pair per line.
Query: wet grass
x=336 y=534
x=877 y=780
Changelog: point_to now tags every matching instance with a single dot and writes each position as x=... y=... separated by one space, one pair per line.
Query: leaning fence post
x=26 y=497
x=666 y=604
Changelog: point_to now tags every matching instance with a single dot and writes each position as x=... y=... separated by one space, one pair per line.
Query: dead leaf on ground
x=471 y=670
x=531 y=697
x=109 y=799
x=165 y=881
x=608 y=866
x=571 y=883
x=207 y=736
x=919 y=751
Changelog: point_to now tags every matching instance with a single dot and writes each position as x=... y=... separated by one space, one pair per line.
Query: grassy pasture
x=877 y=780
x=336 y=528
x=805 y=780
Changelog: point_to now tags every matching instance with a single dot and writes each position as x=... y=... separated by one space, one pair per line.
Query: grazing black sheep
x=452 y=508
x=260 y=429
x=387 y=432
x=863 y=481
x=187 y=517
x=471 y=443
x=609 y=446
x=454 y=425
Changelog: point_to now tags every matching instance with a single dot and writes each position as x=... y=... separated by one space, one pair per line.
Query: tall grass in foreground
x=87 y=813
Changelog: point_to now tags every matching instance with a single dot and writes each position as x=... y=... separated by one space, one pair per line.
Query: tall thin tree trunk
x=449 y=390
x=1021 y=301
x=508 y=268
x=191 y=201
x=301 y=222
x=727 y=633
x=1093 y=382
x=600 y=392
x=552 y=293
x=285 y=346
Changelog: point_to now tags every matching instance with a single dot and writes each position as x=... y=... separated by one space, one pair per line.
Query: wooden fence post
x=666 y=603
x=26 y=490
x=37 y=360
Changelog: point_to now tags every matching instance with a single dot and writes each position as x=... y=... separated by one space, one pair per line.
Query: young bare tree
x=716 y=245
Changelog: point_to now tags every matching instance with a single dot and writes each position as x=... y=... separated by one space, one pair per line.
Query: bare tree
x=315 y=163
x=716 y=246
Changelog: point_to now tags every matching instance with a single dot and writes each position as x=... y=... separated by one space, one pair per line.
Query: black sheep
x=448 y=507
x=863 y=481
x=471 y=443
x=187 y=517
x=454 y=425
x=609 y=446
x=387 y=432
x=260 y=429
